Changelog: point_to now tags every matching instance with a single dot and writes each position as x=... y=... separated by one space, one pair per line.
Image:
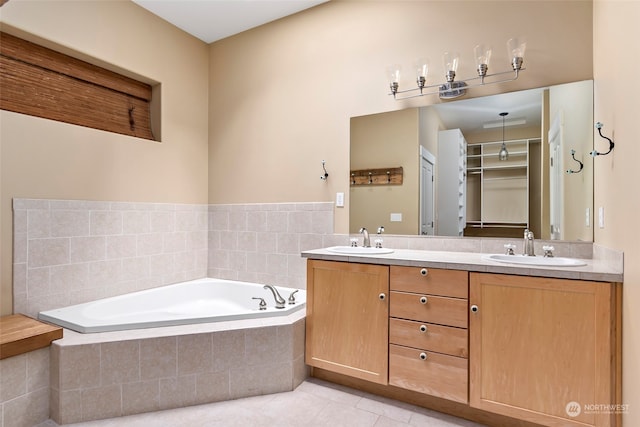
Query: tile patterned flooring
x=314 y=403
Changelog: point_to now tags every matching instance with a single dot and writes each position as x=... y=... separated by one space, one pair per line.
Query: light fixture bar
x=511 y=122
x=442 y=90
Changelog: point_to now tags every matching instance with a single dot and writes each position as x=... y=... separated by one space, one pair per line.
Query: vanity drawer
x=431 y=373
x=429 y=308
x=443 y=339
x=434 y=281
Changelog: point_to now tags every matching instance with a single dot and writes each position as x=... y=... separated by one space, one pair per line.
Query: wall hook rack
x=594 y=153
x=383 y=176
x=326 y=174
x=573 y=155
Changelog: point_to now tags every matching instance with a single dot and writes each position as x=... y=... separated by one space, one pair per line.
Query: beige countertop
x=595 y=269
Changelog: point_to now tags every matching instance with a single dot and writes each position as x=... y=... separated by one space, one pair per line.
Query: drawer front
x=429 y=308
x=450 y=283
x=427 y=336
x=437 y=375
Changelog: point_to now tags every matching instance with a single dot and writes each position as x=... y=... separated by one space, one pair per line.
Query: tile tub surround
x=24 y=389
x=71 y=251
x=106 y=375
x=262 y=242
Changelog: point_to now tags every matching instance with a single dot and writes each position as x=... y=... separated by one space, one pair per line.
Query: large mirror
x=437 y=170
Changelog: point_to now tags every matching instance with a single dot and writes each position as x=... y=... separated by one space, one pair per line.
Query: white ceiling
x=211 y=20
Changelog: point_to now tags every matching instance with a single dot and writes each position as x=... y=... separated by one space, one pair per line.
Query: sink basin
x=359 y=250
x=536 y=260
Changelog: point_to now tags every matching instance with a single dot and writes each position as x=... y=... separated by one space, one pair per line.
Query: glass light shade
x=503 y=154
x=516 y=47
x=393 y=73
x=451 y=61
x=422 y=67
x=482 y=54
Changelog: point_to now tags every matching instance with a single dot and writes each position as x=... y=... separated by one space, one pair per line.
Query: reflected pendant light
x=503 y=154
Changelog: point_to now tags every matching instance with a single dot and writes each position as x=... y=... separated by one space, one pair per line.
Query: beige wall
x=379 y=141
x=282 y=94
x=617 y=103
x=46 y=159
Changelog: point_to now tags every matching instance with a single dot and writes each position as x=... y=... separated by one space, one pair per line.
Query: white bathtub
x=195 y=301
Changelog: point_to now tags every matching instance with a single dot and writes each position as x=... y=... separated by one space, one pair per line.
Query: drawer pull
x=382 y=296
x=423 y=356
x=474 y=308
x=423 y=328
x=423 y=300
x=424 y=271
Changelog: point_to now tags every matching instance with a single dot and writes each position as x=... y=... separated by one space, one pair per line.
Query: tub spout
x=280 y=302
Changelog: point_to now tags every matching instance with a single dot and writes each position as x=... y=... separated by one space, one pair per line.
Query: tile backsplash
x=71 y=251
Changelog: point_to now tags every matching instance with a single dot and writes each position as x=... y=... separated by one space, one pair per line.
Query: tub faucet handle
x=263 y=303
x=292 y=297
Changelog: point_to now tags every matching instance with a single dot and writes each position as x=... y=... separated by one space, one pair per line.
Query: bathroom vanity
x=497 y=343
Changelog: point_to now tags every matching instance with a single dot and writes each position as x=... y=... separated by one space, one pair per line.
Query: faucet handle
x=354 y=242
x=509 y=247
x=381 y=229
x=263 y=303
x=378 y=243
x=548 y=251
x=292 y=298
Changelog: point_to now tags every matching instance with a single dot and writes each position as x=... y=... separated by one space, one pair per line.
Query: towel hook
x=326 y=174
x=573 y=154
x=594 y=153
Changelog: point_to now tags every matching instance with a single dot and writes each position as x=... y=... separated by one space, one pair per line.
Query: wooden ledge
x=21 y=334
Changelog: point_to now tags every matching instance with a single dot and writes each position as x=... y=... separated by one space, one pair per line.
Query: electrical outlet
x=340 y=200
x=587 y=217
x=601 y=217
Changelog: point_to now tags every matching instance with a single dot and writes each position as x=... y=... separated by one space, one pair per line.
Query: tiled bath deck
x=313 y=403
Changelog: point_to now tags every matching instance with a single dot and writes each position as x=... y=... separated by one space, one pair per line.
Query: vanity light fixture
x=452 y=88
x=594 y=153
x=503 y=154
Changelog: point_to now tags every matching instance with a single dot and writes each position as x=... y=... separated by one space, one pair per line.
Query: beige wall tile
x=85 y=249
x=158 y=358
x=106 y=223
x=195 y=354
x=69 y=223
x=13 y=377
x=228 y=350
x=66 y=406
x=140 y=397
x=119 y=362
x=28 y=410
x=101 y=402
x=38 y=369
x=38 y=223
x=268 y=378
x=177 y=392
x=45 y=252
x=79 y=366
x=212 y=387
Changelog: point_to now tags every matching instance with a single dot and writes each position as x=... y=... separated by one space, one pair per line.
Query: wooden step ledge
x=21 y=334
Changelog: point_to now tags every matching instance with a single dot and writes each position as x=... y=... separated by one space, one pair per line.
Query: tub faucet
x=527 y=249
x=280 y=302
x=366 y=242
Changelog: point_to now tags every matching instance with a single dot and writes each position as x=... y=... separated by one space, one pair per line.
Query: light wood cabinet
x=428 y=331
x=347 y=329
x=537 y=345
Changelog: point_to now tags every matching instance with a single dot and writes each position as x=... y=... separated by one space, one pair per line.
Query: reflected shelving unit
x=498 y=191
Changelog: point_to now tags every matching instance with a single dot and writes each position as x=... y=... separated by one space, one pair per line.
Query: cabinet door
x=537 y=345
x=347 y=319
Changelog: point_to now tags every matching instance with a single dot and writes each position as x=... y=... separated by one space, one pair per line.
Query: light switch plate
x=340 y=200
x=601 y=217
x=396 y=217
x=587 y=217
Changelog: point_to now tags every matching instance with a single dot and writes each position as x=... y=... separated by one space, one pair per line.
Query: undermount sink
x=359 y=250
x=536 y=260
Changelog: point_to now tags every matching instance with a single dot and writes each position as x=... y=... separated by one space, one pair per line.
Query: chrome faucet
x=280 y=302
x=366 y=242
x=527 y=249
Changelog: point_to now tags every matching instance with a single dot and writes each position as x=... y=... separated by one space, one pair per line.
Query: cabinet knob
x=382 y=296
x=424 y=272
x=423 y=328
x=474 y=308
x=423 y=300
x=423 y=356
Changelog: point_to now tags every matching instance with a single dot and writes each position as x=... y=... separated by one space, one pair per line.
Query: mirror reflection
x=464 y=168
